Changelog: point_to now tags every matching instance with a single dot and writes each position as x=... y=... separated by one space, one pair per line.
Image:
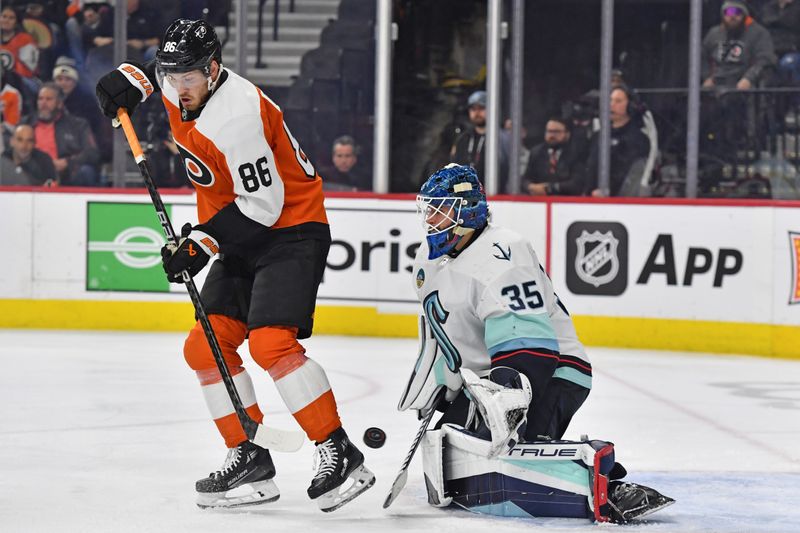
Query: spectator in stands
x=648 y=127
x=81 y=29
x=10 y=105
x=582 y=115
x=782 y=20
x=470 y=147
x=736 y=52
x=630 y=148
x=345 y=173
x=144 y=33
x=553 y=166
x=23 y=164
x=144 y=29
x=80 y=103
x=67 y=139
x=18 y=49
x=36 y=21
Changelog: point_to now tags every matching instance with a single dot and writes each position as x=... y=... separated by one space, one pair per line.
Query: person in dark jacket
x=737 y=51
x=630 y=148
x=345 y=174
x=554 y=166
x=67 y=139
x=23 y=164
x=80 y=103
x=781 y=18
x=469 y=147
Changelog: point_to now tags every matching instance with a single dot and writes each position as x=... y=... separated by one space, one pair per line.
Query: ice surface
x=107 y=432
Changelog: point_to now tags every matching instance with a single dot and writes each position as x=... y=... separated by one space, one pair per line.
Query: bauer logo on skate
x=794 y=249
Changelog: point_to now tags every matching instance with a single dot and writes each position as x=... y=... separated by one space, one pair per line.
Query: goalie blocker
x=573 y=479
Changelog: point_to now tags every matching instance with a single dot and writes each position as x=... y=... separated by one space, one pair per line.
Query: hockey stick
x=271 y=438
x=402 y=476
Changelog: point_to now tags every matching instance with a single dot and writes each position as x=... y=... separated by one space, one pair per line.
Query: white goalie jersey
x=495 y=301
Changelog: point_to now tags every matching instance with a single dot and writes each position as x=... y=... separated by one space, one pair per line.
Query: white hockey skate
x=338 y=461
x=244 y=479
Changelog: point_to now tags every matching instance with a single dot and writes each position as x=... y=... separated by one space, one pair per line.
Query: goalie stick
x=402 y=476
x=272 y=438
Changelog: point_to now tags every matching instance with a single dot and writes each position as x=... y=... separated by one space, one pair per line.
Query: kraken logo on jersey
x=196 y=170
x=420 y=278
x=597 y=252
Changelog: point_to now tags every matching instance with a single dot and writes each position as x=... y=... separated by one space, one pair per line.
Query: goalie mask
x=432 y=374
x=452 y=204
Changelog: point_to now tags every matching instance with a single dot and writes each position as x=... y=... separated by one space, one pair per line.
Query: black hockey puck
x=374 y=437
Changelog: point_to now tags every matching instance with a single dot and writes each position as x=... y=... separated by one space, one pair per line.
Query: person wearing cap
x=736 y=52
x=469 y=147
x=80 y=103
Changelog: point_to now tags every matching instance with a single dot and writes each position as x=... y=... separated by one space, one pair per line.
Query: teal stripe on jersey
x=570 y=374
x=524 y=344
x=512 y=332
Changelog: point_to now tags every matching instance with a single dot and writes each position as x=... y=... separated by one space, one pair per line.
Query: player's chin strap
x=212 y=84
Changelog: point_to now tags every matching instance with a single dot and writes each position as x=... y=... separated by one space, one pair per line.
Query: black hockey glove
x=191 y=254
x=127 y=87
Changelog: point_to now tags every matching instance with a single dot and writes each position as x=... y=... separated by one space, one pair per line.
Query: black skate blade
x=664 y=501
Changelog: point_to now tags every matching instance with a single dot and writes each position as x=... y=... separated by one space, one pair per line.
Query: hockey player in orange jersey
x=260 y=207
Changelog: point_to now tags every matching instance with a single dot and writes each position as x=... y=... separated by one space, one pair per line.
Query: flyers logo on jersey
x=139 y=77
x=794 y=249
x=196 y=170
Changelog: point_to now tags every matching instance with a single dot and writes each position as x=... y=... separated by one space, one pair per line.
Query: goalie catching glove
x=191 y=254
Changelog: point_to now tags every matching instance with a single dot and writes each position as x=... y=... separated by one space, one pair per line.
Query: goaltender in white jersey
x=500 y=357
x=485 y=294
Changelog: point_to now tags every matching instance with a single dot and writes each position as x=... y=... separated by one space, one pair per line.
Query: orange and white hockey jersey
x=10 y=106
x=239 y=150
x=20 y=54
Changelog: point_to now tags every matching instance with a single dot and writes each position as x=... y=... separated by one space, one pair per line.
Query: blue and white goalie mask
x=452 y=204
x=433 y=372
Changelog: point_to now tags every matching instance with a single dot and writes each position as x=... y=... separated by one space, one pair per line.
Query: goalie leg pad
x=432 y=446
x=539 y=479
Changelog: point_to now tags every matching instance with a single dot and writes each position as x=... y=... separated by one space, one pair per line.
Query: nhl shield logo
x=597 y=258
x=597 y=262
x=794 y=250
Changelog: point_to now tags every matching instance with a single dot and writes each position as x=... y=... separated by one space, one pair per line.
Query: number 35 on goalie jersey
x=240 y=150
x=494 y=301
